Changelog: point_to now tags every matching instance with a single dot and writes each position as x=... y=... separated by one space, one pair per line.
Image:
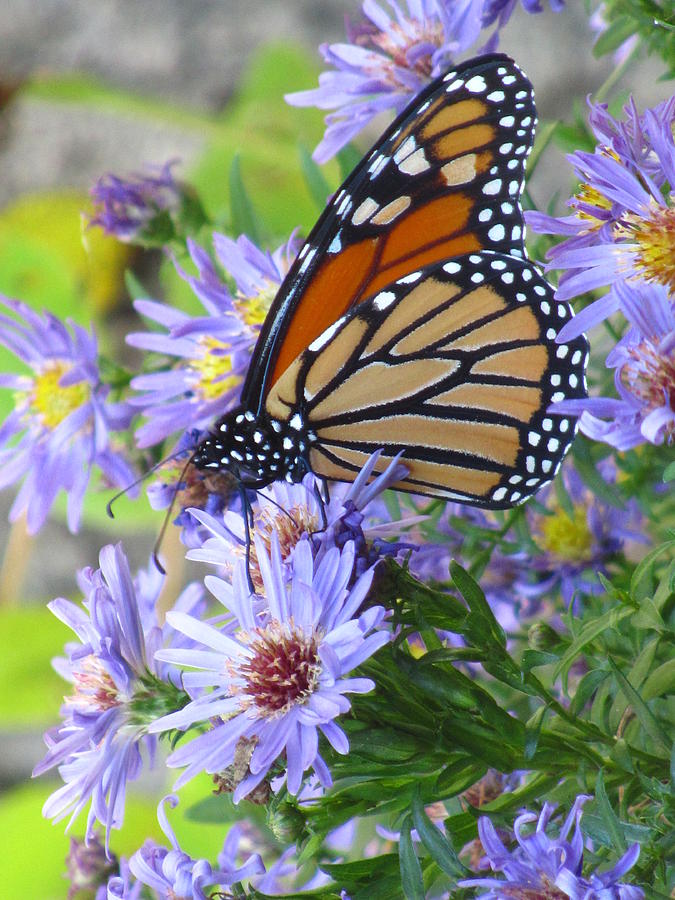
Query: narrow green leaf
x=660 y=682
x=244 y=219
x=533 y=731
x=586 y=467
x=642 y=582
x=478 y=605
x=608 y=815
x=588 y=634
x=411 y=871
x=642 y=711
x=586 y=688
x=614 y=35
x=439 y=849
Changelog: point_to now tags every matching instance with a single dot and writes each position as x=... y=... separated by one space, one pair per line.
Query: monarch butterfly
x=411 y=320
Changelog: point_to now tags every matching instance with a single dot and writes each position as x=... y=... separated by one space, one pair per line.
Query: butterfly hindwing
x=454 y=364
x=444 y=180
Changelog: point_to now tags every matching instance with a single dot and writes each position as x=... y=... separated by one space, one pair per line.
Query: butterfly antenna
x=167 y=517
x=279 y=507
x=125 y=490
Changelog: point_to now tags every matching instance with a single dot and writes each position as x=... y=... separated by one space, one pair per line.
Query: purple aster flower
x=61 y=425
x=644 y=365
x=137 y=208
x=551 y=867
x=293 y=512
x=212 y=352
x=117 y=688
x=122 y=886
x=390 y=57
x=174 y=874
x=573 y=549
x=502 y=10
x=623 y=226
x=280 y=678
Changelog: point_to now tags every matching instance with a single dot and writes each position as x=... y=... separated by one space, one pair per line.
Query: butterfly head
x=255 y=448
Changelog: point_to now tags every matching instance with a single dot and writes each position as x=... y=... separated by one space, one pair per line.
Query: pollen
x=567 y=538
x=212 y=369
x=282 y=671
x=51 y=402
x=654 y=238
x=95 y=691
x=650 y=376
x=397 y=41
x=288 y=525
x=588 y=198
x=253 y=310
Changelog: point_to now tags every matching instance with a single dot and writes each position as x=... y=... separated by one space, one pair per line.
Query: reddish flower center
x=650 y=376
x=283 y=669
x=397 y=42
x=95 y=691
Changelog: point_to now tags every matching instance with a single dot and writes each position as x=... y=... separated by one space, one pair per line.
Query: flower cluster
x=621 y=235
x=370 y=679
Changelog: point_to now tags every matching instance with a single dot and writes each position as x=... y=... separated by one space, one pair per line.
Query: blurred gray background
x=192 y=52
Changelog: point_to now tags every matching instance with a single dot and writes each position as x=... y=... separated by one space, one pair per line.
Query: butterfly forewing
x=444 y=180
x=454 y=364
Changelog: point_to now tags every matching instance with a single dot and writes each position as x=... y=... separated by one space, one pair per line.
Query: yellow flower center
x=591 y=196
x=650 y=376
x=253 y=310
x=654 y=235
x=48 y=400
x=212 y=370
x=567 y=538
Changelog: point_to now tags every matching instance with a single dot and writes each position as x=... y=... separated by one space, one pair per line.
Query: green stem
x=616 y=74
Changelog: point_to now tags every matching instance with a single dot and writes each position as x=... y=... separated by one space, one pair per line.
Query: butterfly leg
x=248 y=524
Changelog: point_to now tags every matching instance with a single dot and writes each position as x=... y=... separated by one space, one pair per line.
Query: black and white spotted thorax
x=257 y=449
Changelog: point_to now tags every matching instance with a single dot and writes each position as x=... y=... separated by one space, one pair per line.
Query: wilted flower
x=623 y=227
x=279 y=670
x=61 y=425
x=644 y=364
x=89 y=868
x=390 y=57
x=117 y=688
x=543 y=866
x=175 y=874
x=214 y=351
x=138 y=207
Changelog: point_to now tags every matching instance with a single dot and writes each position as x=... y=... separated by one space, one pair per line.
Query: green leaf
x=439 y=849
x=586 y=467
x=614 y=35
x=589 y=633
x=384 y=744
x=586 y=688
x=642 y=581
x=669 y=472
x=608 y=815
x=459 y=775
x=411 y=871
x=533 y=731
x=484 y=621
x=243 y=216
x=642 y=711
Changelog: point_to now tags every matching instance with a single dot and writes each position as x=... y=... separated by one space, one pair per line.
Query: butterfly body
x=411 y=321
